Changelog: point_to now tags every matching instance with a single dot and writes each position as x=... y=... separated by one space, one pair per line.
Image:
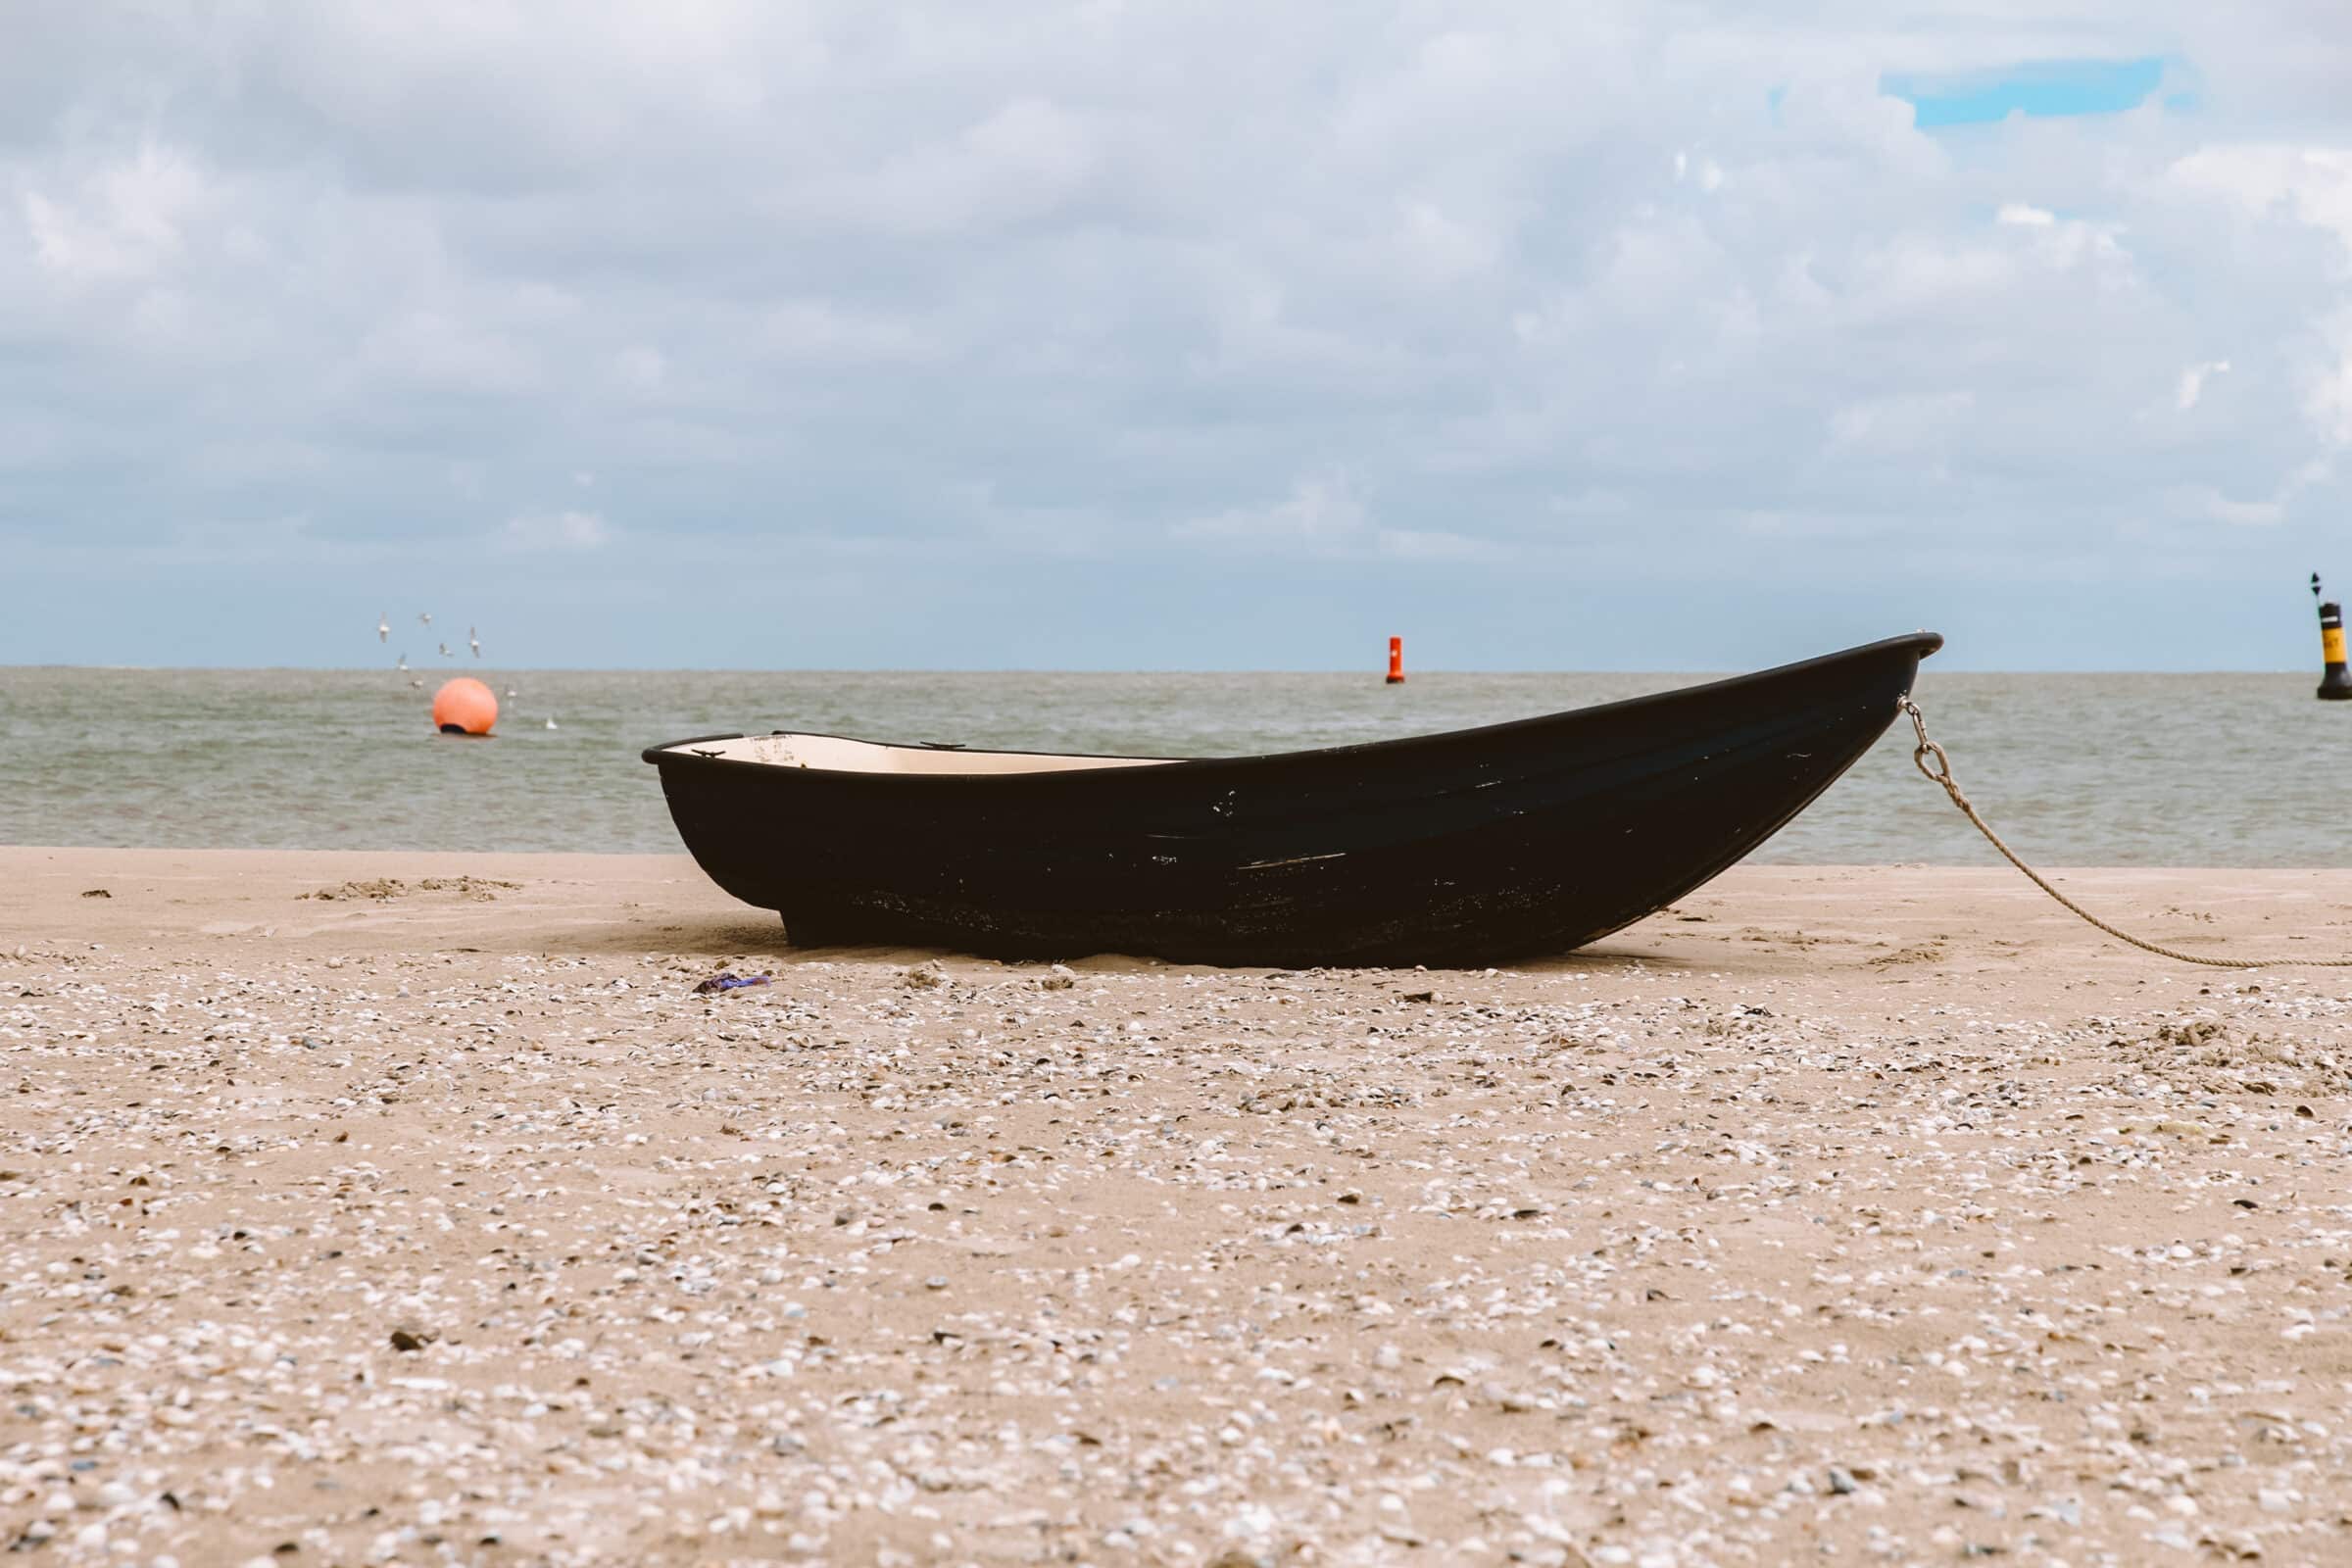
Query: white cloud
x=1446 y=248
x=122 y=220
x=2192 y=383
x=1437 y=544
x=1907 y=423
x=2310 y=186
x=817 y=332
x=1321 y=512
x=1324 y=516
x=1709 y=176
x=428 y=351
x=2327 y=382
x=2208 y=502
x=640 y=372
x=2310 y=183
x=555 y=531
x=1015 y=163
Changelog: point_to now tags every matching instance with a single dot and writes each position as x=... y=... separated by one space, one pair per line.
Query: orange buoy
x=1395 y=661
x=465 y=707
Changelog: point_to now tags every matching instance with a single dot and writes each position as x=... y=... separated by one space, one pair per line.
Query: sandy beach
x=390 y=1207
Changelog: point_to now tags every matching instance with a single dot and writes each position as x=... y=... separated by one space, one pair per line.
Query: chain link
x=1942 y=773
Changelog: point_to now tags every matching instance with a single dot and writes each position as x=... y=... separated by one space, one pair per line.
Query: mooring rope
x=1942 y=773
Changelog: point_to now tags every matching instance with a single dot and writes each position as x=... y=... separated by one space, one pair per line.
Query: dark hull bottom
x=1520 y=889
x=1485 y=846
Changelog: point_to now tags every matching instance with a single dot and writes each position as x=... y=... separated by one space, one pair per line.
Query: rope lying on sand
x=1942 y=773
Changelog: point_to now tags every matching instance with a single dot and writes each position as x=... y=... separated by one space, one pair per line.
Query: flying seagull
x=445 y=653
x=403 y=663
x=383 y=628
x=476 y=641
x=424 y=617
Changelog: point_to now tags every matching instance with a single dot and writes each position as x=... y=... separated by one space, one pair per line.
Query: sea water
x=2240 y=770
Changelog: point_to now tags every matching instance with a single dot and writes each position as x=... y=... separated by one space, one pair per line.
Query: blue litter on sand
x=723 y=981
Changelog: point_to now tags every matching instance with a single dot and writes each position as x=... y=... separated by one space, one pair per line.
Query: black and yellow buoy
x=2335 y=682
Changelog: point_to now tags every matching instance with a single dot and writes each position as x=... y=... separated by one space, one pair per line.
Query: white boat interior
x=832 y=754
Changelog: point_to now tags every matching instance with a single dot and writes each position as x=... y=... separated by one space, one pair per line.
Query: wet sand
x=1863 y=1215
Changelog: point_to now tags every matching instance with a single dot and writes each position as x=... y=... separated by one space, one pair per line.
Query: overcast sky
x=1195 y=334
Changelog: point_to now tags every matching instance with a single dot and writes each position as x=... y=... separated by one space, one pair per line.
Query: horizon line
x=1370 y=672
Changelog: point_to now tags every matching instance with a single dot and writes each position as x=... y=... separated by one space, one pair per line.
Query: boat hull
x=1474 y=847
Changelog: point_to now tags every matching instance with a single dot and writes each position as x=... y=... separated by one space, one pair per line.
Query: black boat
x=1475 y=846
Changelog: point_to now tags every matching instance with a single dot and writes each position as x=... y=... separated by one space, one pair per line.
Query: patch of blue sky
x=2052 y=87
